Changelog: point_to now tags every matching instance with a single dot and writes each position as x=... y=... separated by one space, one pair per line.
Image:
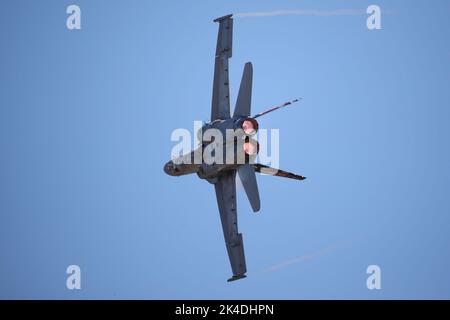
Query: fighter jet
x=242 y=148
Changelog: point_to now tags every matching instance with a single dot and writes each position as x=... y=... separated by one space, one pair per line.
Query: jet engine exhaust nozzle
x=250 y=126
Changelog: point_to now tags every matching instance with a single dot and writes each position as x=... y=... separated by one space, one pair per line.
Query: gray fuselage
x=219 y=136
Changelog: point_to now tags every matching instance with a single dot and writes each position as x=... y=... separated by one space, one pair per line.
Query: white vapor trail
x=303 y=258
x=302 y=12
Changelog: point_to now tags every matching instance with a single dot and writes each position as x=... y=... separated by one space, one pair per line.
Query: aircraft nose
x=168 y=168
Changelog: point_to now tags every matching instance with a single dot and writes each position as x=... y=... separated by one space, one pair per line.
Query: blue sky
x=85 y=123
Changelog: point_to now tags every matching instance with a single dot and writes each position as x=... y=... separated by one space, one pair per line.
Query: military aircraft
x=223 y=173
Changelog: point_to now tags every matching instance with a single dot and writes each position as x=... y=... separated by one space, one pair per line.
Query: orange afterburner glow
x=250 y=126
x=251 y=147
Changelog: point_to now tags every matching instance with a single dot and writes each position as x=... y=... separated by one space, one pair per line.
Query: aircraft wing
x=226 y=200
x=220 y=107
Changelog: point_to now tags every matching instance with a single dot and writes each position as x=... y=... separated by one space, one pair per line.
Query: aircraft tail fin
x=244 y=100
x=260 y=168
x=248 y=178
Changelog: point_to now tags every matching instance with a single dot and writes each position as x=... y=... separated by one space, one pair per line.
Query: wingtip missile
x=276 y=108
x=293 y=101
